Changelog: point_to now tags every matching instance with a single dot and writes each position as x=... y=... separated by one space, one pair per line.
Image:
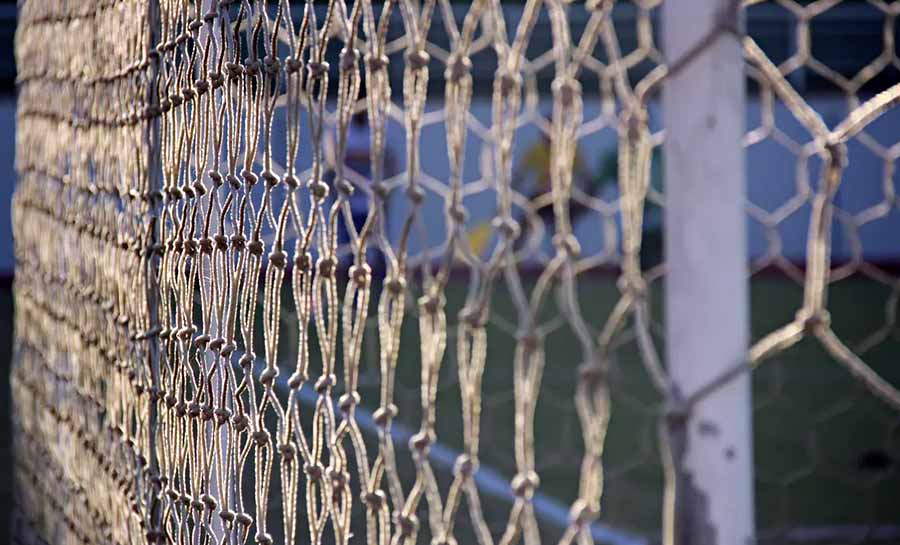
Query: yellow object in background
x=479 y=237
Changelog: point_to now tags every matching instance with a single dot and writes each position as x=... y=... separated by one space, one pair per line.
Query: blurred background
x=827 y=453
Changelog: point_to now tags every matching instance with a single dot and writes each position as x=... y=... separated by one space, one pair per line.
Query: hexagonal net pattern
x=341 y=272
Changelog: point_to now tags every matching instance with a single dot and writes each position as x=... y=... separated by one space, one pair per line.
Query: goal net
x=345 y=271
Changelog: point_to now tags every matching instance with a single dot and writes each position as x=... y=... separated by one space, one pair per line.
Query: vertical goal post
x=710 y=466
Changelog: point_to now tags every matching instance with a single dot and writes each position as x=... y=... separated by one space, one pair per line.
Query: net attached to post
x=215 y=291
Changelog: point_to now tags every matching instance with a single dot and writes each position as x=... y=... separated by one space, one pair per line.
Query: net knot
x=222 y=415
x=458 y=67
x=202 y=86
x=292 y=65
x=529 y=339
x=592 y=373
x=278 y=258
x=377 y=62
x=264 y=539
x=261 y=437
x=457 y=213
x=339 y=479
x=408 y=524
x=206 y=245
x=319 y=189
x=421 y=441
x=380 y=190
x=508 y=227
x=632 y=284
x=247 y=360
x=676 y=412
x=235 y=70
x=227 y=515
x=291 y=181
x=190 y=247
x=217 y=79
x=151 y=112
x=327 y=267
x=813 y=321
x=199 y=188
x=444 y=540
x=415 y=194
x=383 y=415
x=221 y=241
x=317 y=69
x=175 y=193
x=395 y=284
x=268 y=375
x=472 y=317
x=288 y=451
x=296 y=380
x=568 y=244
x=417 y=59
x=185 y=499
x=345 y=188
x=566 y=90
x=238 y=241
x=227 y=349
x=270 y=177
x=240 y=422
x=360 y=274
x=233 y=181
x=524 y=484
x=837 y=152
x=272 y=64
x=252 y=66
x=256 y=247
x=507 y=81
x=314 y=471
x=348 y=401
x=250 y=178
x=598 y=5
x=303 y=262
x=634 y=122
x=349 y=58
x=431 y=302
x=209 y=501
x=373 y=499
x=156 y=394
x=465 y=466
x=172 y=494
x=324 y=383
x=582 y=513
x=244 y=519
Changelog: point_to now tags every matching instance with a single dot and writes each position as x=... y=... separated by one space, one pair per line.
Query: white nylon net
x=248 y=310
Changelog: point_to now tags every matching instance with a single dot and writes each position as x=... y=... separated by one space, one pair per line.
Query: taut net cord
x=197 y=290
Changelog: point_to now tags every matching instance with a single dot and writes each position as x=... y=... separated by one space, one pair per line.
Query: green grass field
x=826 y=452
x=816 y=430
